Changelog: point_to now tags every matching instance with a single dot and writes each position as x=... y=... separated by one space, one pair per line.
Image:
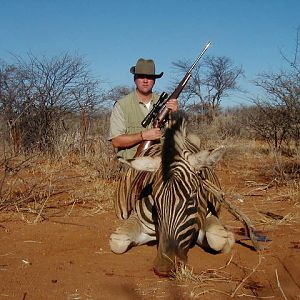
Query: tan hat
x=145 y=67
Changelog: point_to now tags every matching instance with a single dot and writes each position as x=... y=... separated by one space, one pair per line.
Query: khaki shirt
x=126 y=117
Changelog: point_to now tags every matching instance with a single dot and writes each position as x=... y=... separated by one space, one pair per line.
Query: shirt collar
x=140 y=101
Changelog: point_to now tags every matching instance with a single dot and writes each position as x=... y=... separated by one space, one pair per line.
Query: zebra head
x=180 y=200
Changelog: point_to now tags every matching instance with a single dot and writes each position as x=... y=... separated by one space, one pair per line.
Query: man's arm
x=117 y=128
x=129 y=140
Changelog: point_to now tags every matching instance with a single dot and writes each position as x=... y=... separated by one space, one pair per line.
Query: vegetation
x=53 y=108
x=275 y=117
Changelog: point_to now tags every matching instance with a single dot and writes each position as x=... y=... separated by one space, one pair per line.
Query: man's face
x=144 y=83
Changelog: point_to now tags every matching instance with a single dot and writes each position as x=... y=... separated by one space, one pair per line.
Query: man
x=126 y=131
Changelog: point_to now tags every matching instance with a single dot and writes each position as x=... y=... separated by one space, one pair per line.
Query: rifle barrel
x=159 y=112
x=199 y=57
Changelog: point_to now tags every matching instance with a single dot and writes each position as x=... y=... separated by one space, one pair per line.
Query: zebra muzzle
x=166 y=260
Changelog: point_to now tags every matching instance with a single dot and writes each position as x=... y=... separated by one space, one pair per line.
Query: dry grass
x=39 y=188
x=219 y=282
x=185 y=273
x=83 y=174
x=43 y=187
x=288 y=219
x=266 y=178
x=212 y=281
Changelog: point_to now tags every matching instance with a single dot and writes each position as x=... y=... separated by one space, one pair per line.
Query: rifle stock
x=159 y=113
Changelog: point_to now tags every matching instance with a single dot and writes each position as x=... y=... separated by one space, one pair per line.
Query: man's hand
x=151 y=134
x=172 y=104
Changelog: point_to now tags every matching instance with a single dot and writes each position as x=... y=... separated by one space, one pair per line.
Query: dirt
x=68 y=257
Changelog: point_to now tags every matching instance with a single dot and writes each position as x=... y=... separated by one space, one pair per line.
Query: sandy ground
x=68 y=257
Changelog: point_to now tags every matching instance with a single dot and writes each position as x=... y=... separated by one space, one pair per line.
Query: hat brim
x=132 y=71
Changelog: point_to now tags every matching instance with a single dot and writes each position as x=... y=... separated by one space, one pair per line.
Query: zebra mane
x=174 y=143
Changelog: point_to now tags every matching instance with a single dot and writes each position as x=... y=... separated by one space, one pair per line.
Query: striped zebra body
x=131 y=184
x=164 y=199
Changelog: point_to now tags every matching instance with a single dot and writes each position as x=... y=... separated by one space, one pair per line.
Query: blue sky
x=112 y=35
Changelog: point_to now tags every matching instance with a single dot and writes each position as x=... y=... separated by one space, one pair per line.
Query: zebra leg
x=215 y=236
x=131 y=233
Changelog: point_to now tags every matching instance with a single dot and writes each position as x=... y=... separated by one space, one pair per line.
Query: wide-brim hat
x=145 y=67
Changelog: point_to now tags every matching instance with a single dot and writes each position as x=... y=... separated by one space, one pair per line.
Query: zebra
x=165 y=201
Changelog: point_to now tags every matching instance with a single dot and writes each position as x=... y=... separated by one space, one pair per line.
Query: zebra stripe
x=171 y=204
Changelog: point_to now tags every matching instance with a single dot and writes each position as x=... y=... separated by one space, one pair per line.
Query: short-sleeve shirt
x=126 y=117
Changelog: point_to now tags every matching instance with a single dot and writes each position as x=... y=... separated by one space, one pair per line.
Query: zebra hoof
x=119 y=243
x=229 y=242
x=218 y=238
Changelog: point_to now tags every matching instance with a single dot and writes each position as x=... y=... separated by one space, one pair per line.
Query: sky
x=112 y=35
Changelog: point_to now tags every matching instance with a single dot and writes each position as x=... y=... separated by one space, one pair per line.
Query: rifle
x=159 y=113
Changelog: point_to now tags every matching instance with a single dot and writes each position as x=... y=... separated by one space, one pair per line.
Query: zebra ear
x=146 y=163
x=194 y=139
x=206 y=158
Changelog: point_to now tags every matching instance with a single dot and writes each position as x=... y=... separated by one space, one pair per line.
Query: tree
x=211 y=81
x=118 y=92
x=277 y=115
x=11 y=93
x=37 y=93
